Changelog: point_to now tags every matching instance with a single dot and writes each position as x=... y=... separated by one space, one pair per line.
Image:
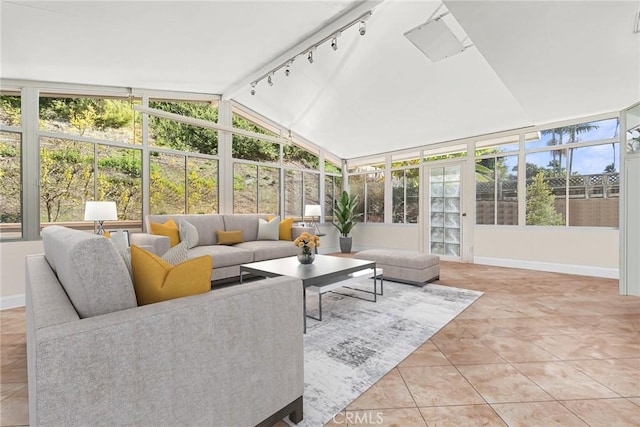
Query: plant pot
x=345 y=244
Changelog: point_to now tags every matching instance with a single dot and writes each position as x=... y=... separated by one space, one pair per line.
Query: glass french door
x=444 y=201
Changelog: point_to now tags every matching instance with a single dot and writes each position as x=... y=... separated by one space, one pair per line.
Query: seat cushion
x=399 y=258
x=222 y=256
x=269 y=249
x=90 y=270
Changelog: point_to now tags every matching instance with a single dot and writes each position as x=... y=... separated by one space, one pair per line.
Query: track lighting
x=309 y=51
x=363 y=28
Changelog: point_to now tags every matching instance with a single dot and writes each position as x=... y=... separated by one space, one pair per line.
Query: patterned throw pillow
x=188 y=233
x=177 y=254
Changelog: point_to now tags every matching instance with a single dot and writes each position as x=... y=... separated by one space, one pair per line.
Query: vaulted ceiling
x=531 y=62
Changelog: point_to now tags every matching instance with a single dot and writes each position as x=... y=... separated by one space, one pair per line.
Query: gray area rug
x=359 y=341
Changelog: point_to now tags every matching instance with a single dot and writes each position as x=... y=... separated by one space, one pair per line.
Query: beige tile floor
x=537 y=349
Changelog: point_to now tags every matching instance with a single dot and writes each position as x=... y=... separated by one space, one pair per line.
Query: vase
x=345 y=244
x=306 y=257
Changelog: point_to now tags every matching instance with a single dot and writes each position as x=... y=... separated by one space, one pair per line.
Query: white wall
x=575 y=250
x=12 y=270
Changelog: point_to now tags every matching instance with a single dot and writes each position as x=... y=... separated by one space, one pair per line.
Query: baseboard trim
x=581 y=270
x=11 y=301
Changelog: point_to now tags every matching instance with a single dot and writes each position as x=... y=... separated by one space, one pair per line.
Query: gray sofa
x=226 y=259
x=229 y=357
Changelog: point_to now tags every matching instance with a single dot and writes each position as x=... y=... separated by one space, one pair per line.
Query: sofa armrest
x=233 y=356
x=296 y=231
x=159 y=244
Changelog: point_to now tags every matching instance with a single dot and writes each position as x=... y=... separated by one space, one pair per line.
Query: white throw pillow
x=268 y=230
x=188 y=233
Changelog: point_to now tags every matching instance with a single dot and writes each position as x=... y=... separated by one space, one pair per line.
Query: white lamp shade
x=100 y=211
x=312 y=210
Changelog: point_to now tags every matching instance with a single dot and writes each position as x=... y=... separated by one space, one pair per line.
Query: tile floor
x=537 y=349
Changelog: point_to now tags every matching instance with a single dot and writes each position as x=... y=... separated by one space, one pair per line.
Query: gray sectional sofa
x=226 y=259
x=229 y=357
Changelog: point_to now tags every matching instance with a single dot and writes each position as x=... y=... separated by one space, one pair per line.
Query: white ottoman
x=404 y=266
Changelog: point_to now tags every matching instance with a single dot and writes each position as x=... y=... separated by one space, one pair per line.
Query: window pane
x=120 y=180
x=546 y=187
x=268 y=190
x=194 y=109
x=594 y=186
x=245 y=188
x=485 y=191
x=507 y=190
x=202 y=185
x=331 y=168
x=413 y=195
x=583 y=132
x=180 y=136
x=167 y=184
x=254 y=149
x=356 y=186
x=299 y=157
x=66 y=179
x=375 y=197
x=10 y=174
x=293 y=193
x=311 y=188
x=405 y=197
x=10 y=110
x=333 y=190
x=498 y=145
x=100 y=118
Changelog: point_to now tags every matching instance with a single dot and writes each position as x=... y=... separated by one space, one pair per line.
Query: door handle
x=464 y=214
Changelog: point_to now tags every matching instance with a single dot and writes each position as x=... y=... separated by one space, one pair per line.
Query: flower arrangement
x=307 y=242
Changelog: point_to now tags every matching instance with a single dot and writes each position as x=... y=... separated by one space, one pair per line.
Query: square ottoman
x=404 y=266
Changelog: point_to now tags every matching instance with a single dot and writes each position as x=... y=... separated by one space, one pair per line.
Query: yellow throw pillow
x=169 y=229
x=229 y=237
x=107 y=234
x=156 y=280
x=285 y=229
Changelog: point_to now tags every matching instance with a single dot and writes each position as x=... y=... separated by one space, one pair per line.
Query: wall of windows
x=150 y=152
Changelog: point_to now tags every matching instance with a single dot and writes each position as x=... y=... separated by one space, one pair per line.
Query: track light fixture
x=309 y=51
x=334 y=43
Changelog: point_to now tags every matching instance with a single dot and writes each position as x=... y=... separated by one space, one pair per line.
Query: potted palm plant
x=346 y=219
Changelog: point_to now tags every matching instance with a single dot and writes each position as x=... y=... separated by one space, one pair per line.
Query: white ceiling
x=532 y=61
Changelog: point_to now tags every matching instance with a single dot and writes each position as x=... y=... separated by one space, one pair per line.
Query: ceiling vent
x=435 y=39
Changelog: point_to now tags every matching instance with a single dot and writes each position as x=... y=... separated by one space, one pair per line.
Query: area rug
x=359 y=341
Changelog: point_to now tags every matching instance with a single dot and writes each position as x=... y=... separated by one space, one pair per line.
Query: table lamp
x=100 y=212
x=313 y=211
